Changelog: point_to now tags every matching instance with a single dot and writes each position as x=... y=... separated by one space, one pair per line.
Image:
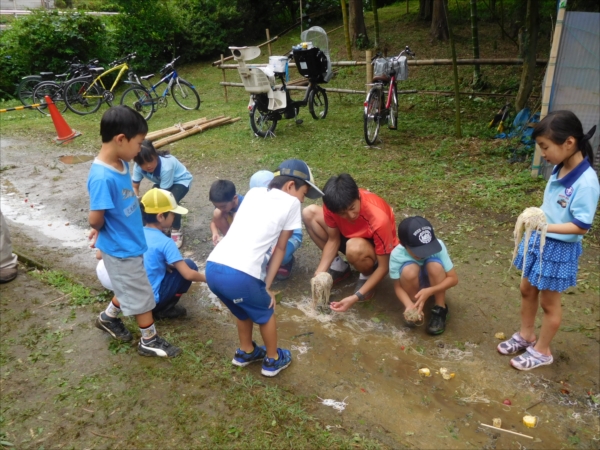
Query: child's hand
x=273 y=299
x=216 y=238
x=93 y=236
x=422 y=296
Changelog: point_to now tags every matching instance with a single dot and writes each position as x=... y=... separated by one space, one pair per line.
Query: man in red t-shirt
x=359 y=224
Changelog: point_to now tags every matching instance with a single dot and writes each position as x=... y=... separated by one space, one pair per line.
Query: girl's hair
x=280 y=180
x=151 y=218
x=560 y=125
x=148 y=153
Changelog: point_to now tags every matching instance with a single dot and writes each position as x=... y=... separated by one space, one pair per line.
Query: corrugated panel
x=577 y=78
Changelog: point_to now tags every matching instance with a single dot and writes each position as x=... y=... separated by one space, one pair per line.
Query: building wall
x=25 y=4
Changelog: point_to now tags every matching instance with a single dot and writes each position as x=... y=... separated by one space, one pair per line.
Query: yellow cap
x=157 y=201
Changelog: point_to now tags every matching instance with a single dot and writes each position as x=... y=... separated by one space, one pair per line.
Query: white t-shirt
x=261 y=218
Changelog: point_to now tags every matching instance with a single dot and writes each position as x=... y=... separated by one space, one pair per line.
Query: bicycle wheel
x=261 y=123
x=26 y=87
x=393 y=116
x=317 y=103
x=185 y=94
x=371 y=117
x=82 y=97
x=138 y=98
x=54 y=91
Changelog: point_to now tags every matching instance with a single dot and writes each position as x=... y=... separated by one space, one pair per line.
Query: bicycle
x=55 y=89
x=378 y=108
x=183 y=92
x=84 y=95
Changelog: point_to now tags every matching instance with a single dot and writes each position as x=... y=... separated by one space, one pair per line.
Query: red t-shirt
x=376 y=221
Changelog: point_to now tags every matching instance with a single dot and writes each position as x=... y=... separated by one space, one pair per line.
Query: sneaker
x=437 y=322
x=359 y=284
x=272 y=367
x=177 y=237
x=115 y=327
x=285 y=271
x=515 y=344
x=173 y=312
x=531 y=359
x=339 y=276
x=242 y=359
x=158 y=347
x=8 y=274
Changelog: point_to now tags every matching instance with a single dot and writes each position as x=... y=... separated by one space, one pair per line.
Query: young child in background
x=570 y=202
x=234 y=269
x=166 y=172
x=227 y=202
x=421 y=267
x=117 y=231
x=262 y=178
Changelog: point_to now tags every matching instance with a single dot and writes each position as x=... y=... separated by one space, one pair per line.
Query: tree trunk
x=457 y=124
x=346 y=29
x=376 y=22
x=358 y=29
x=530 y=35
x=425 y=9
x=439 y=24
x=475 y=39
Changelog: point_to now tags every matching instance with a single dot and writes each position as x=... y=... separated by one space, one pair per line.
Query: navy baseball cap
x=297 y=168
x=416 y=234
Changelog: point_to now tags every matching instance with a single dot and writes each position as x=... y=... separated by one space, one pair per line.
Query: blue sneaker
x=242 y=359
x=272 y=367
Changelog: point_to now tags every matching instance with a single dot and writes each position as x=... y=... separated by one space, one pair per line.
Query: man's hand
x=344 y=304
x=216 y=238
x=93 y=237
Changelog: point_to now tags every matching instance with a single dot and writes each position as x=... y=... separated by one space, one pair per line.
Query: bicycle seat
x=147 y=77
x=381 y=79
x=62 y=75
x=96 y=69
x=46 y=74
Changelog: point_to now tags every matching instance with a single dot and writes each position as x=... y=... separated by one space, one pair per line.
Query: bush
x=43 y=41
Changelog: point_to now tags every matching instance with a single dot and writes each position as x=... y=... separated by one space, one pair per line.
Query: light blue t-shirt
x=122 y=235
x=161 y=251
x=169 y=171
x=400 y=256
x=572 y=198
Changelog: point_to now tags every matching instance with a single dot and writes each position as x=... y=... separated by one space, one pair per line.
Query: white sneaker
x=177 y=237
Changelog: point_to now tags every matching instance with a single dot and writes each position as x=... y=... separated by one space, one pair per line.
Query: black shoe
x=339 y=276
x=437 y=322
x=158 y=347
x=285 y=270
x=173 y=312
x=115 y=327
x=366 y=296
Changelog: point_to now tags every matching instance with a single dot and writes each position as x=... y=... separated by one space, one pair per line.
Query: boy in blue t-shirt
x=421 y=267
x=118 y=233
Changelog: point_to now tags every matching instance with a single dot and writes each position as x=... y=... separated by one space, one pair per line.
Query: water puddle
x=75 y=159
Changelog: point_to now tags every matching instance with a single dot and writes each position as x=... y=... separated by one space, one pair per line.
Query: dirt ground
x=367 y=357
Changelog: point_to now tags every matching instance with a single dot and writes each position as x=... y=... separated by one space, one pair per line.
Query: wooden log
x=341 y=91
x=224 y=78
x=269 y=45
x=174 y=129
x=196 y=129
x=368 y=57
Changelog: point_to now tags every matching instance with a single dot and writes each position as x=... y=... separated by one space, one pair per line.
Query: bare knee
x=361 y=254
x=436 y=272
x=410 y=274
x=311 y=213
x=528 y=291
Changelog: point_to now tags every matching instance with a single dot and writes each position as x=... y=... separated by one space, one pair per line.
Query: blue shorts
x=245 y=296
x=423 y=275
x=558 y=269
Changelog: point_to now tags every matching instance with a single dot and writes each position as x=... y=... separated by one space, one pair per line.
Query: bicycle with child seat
x=378 y=107
x=55 y=89
x=84 y=95
x=183 y=92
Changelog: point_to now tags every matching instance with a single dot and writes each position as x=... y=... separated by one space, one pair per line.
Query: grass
x=78 y=294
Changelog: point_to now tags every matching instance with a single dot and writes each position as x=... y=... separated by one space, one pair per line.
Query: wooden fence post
x=369 y=67
x=268 y=39
x=224 y=77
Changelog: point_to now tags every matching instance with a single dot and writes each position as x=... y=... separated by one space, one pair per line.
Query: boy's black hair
x=151 y=218
x=221 y=191
x=340 y=192
x=148 y=153
x=122 y=119
x=280 y=180
x=560 y=125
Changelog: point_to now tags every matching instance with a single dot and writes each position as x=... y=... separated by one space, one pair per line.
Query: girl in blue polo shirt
x=166 y=172
x=570 y=202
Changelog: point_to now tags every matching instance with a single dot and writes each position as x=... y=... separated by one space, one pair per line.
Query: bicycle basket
x=387 y=66
x=381 y=67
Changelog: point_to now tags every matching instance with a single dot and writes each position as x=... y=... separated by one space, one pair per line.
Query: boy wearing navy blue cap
x=421 y=267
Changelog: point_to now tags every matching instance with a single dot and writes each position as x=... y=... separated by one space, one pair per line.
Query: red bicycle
x=378 y=108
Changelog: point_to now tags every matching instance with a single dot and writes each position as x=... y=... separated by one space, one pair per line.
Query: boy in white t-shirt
x=235 y=269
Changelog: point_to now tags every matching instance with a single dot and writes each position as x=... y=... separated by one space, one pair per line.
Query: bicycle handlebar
x=122 y=60
x=406 y=51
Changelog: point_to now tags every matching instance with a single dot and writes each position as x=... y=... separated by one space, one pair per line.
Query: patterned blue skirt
x=559 y=263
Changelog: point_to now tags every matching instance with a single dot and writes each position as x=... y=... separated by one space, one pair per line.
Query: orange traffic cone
x=64 y=131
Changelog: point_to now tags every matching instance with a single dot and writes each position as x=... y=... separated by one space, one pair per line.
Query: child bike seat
x=381 y=79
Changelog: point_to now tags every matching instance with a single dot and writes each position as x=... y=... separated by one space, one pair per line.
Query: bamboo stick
x=268 y=39
x=506 y=431
x=225 y=77
x=175 y=128
x=194 y=130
